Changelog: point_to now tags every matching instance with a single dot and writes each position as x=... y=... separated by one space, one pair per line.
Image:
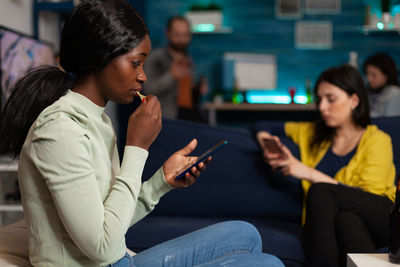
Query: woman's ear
x=355 y=101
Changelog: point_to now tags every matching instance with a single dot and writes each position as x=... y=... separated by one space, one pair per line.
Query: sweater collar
x=85 y=103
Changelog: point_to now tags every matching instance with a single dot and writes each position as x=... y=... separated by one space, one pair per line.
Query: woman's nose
x=142 y=77
x=322 y=105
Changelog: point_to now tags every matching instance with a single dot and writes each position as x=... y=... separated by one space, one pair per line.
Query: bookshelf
x=8 y=169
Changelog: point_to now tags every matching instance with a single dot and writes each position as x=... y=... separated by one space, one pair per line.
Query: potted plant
x=218 y=96
x=205 y=17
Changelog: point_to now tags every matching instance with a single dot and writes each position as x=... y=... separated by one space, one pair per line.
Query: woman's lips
x=135 y=91
x=326 y=118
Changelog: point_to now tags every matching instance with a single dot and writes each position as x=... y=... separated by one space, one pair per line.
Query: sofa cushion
x=235 y=182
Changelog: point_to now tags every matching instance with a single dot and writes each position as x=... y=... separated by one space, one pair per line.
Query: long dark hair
x=94 y=33
x=349 y=80
x=386 y=65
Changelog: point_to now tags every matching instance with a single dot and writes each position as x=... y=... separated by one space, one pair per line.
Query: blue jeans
x=232 y=243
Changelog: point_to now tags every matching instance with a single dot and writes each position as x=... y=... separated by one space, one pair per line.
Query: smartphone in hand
x=203 y=157
x=272 y=146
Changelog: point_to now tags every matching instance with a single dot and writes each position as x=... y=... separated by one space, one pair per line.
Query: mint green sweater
x=78 y=201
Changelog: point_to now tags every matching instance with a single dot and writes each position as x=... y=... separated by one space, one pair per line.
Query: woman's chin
x=330 y=123
x=125 y=100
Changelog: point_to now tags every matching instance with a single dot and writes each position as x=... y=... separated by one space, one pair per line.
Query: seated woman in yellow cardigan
x=346 y=170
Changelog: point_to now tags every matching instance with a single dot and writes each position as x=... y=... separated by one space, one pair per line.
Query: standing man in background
x=170 y=73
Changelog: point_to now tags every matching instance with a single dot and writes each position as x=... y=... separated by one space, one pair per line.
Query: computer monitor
x=18 y=54
x=249 y=71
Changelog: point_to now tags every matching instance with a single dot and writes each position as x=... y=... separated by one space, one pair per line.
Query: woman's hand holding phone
x=181 y=160
x=271 y=146
x=290 y=165
x=279 y=157
x=273 y=151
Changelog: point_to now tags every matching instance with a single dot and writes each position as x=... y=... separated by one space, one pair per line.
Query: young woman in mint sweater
x=78 y=199
x=345 y=167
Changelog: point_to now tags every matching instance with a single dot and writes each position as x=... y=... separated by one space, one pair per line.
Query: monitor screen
x=249 y=71
x=18 y=54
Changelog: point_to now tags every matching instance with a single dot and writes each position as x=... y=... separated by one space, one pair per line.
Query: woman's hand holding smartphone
x=182 y=170
x=206 y=155
x=279 y=157
x=179 y=160
x=272 y=146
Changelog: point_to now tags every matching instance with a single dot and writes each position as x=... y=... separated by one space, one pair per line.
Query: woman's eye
x=136 y=63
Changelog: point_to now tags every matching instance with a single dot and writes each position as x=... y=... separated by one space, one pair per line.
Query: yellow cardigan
x=371 y=168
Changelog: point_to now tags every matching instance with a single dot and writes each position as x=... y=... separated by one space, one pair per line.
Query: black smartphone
x=203 y=157
x=272 y=146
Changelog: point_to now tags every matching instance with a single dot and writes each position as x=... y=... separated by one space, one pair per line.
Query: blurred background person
x=383 y=84
x=170 y=72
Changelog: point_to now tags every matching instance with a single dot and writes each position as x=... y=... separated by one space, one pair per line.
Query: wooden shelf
x=11 y=208
x=8 y=167
x=370 y=29
x=223 y=30
x=8 y=164
x=260 y=107
x=213 y=108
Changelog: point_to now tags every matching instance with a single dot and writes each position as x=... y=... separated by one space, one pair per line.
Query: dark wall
x=140 y=6
x=257 y=30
